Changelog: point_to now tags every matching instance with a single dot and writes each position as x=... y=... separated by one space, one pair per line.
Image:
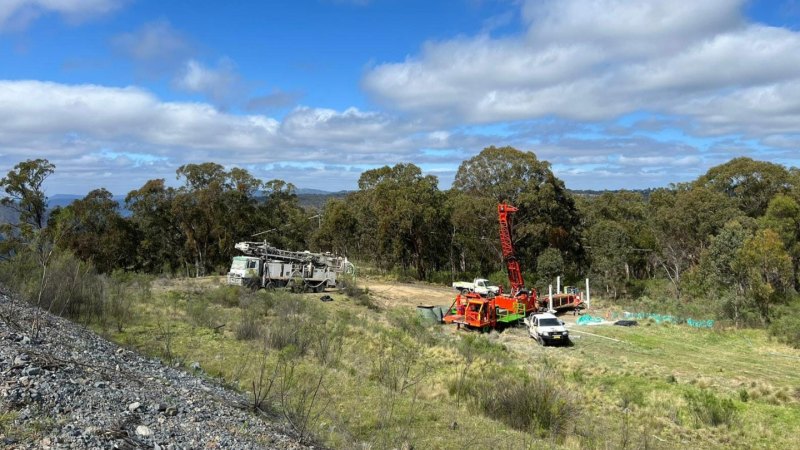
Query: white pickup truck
x=547 y=329
x=479 y=285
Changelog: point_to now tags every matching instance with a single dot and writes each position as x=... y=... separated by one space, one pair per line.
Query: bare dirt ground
x=393 y=295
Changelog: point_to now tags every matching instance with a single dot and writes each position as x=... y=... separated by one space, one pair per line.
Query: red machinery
x=475 y=311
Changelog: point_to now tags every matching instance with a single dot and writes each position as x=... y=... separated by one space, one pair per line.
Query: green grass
x=389 y=379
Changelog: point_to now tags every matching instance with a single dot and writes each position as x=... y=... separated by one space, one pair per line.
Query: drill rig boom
x=504 y=210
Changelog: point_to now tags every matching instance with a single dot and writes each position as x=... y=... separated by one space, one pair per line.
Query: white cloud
x=364 y=132
x=628 y=26
x=17 y=14
x=50 y=109
x=595 y=60
x=157 y=46
x=87 y=130
x=658 y=161
x=221 y=84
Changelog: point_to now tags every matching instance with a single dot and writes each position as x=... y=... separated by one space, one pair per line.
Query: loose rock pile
x=70 y=388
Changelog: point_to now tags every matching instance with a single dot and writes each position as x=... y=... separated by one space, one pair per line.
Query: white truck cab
x=547 y=329
x=479 y=286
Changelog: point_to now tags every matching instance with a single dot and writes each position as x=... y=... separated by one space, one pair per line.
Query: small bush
x=708 y=409
x=411 y=324
x=786 y=325
x=671 y=379
x=199 y=313
x=70 y=288
x=631 y=395
x=249 y=326
x=744 y=395
x=359 y=295
x=121 y=291
x=286 y=305
x=327 y=342
x=227 y=296
x=476 y=346
x=291 y=331
x=538 y=406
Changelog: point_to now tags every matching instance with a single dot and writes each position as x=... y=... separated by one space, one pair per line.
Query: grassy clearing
x=349 y=374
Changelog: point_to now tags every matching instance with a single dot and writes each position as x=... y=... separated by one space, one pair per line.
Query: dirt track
x=392 y=295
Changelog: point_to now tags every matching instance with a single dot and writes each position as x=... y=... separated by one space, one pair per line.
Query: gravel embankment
x=70 y=388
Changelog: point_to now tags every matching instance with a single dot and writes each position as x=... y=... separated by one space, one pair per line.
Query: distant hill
x=593 y=193
x=309 y=198
x=319 y=198
x=63 y=200
x=312 y=191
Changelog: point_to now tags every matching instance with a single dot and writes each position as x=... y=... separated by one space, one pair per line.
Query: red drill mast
x=514 y=272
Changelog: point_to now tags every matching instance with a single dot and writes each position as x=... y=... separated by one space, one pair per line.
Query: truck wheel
x=252 y=284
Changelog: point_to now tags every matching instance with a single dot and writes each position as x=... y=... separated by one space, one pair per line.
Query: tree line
x=728 y=242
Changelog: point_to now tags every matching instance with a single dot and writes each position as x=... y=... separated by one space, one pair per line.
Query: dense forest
x=726 y=245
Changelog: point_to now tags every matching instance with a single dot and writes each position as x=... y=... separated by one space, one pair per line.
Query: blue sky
x=615 y=94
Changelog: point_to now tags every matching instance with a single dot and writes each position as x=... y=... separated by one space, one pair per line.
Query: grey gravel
x=72 y=389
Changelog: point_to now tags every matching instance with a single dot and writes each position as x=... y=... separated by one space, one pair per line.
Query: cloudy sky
x=614 y=93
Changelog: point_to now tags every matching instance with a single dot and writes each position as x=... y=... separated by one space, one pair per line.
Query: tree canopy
x=731 y=238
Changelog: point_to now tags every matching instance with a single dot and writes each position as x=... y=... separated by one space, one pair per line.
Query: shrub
x=786 y=325
x=396 y=363
x=411 y=324
x=197 y=309
x=711 y=410
x=472 y=346
x=631 y=395
x=70 y=287
x=224 y=295
x=539 y=406
x=121 y=291
x=294 y=331
x=744 y=395
x=671 y=379
x=249 y=326
x=359 y=295
x=327 y=342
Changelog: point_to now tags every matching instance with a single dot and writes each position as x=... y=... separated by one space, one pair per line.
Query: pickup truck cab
x=547 y=329
x=479 y=286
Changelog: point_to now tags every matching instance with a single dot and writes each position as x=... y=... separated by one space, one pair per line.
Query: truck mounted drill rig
x=265 y=266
